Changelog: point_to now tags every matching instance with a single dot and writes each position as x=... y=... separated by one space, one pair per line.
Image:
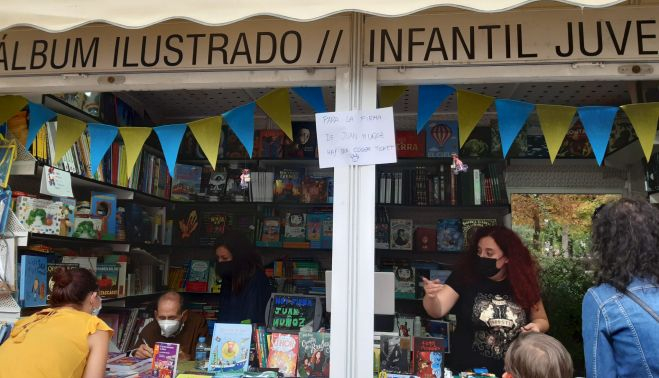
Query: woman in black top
x=245 y=288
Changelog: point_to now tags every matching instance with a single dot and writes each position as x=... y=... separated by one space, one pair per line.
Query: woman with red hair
x=494 y=294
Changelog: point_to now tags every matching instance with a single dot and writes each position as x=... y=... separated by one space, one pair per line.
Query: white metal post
x=353 y=249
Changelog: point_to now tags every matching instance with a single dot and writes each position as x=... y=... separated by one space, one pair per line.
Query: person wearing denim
x=621 y=338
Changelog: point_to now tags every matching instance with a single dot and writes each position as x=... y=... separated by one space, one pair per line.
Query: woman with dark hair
x=495 y=295
x=65 y=340
x=245 y=288
x=620 y=322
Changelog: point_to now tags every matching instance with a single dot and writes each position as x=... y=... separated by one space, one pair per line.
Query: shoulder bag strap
x=643 y=305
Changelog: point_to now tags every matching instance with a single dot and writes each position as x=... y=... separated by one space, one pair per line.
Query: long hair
x=625 y=236
x=247 y=261
x=522 y=269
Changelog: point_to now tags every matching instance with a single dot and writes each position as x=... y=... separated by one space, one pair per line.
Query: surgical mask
x=225 y=269
x=487 y=267
x=168 y=328
x=96 y=311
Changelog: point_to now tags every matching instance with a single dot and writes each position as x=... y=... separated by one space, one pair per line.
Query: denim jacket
x=620 y=338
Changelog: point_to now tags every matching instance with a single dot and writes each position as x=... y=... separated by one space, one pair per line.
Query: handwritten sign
x=356 y=138
x=292 y=312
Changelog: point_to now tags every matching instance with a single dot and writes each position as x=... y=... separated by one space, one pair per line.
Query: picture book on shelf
x=104 y=207
x=288 y=184
x=165 y=359
x=404 y=325
x=107 y=278
x=198 y=276
x=268 y=144
x=186 y=225
x=295 y=227
x=284 y=353
x=327 y=230
x=270 y=232
x=304 y=141
x=52 y=267
x=428 y=359
x=314 y=189
x=401 y=234
x=33 y=281
x=450 y=237
x=441 y=139
x=230 y=348
x=314 y=355
x=68 y=215
x=233 y=148
x=39 y=216
x=213 y=226
x=216 y=184
x=405 y=284
x=88 y=226
x=314 y=229
x=394 y=354
x=479 y=143
x=186 y=182
x=425 y=239
x=409 y=144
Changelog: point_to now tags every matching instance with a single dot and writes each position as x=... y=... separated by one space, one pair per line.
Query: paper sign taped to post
x=361 y=137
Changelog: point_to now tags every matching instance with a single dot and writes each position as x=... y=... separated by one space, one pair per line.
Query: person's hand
x=432 y=288
x=182 y=356
x=531 y=327
x=144 y=351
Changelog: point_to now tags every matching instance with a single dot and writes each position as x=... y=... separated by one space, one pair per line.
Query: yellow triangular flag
x=644 y=118
x=389 y=95
x=555 y=121
x=277 y=106
x=134 y=138
x=471 y=107
x=68 y=132
x=208 y=133
x=10 y=105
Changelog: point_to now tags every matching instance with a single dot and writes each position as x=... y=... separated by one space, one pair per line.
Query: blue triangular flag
x=39 y=115
x=313 y=96
x=430 y=97
x=101 y=137
x=171 y=137
x=241 y=121
x=512 y=117
x=598 y=122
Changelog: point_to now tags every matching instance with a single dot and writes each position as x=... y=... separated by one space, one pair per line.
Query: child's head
x=536 y=355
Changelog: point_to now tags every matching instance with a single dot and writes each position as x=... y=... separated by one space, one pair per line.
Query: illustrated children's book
x=428 y=358
x=295 y=230
x=270 y=232
x=441 y=139
x=165 y=359
x=52 y=267
x=314 y=355
x=283 y=354
x=230 y=348
x=33 y=281
x=186 y=182
x=314 y=189
x=288 y=185
x=409 y=144
x=104 y=207
x=405 y=282
x=401 y=234
x=268 y=144
x=394 y=354
x=449 y=235
x=314 y=229
x=198 y=276
x=39 y=216
x=304 y=141
x=107 y=278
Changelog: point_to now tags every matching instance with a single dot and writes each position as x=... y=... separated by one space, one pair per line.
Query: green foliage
x=564 y=282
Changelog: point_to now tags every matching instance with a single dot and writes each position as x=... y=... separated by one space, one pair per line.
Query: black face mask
x=225 y=269
x=487 y=267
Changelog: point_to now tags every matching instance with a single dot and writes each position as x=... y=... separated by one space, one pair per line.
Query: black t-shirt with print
x=488 y=320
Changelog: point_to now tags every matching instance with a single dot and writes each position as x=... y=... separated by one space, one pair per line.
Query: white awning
x=61 y=15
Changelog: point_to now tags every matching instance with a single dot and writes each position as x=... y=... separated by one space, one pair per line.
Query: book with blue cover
x=186 y=182
x=34 y=280
x=441 y=139
x=230 y=348
x=450 y=237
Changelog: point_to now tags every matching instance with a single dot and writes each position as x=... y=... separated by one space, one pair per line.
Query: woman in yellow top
x=65 y=340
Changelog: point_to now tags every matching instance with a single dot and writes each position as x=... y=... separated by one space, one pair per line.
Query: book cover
x=107 y=278
x=230 y=348
x=233 y=147
x=479 y=143
x=68 y=215
x=304 y=141
x=409 y=144
x=428 y=357
x=405 y=284
x=122 y=261
x=425 y=239
x=33 y=281
x=576 y=144
x=314 y=229
x=401 y=234
x=186 y=182
x=104 y=207
x=295 y=227
x=394 y=354
x=442 y=139
x=88 y=227
x=216 y=186
x=213 y=225
x=314 y=189
x=198 y=276
x=284 y=353
x=450 y=237
x=288 y=185
x=269 y=144
x=404 y=324
x=126 y=366
x=314 y=355
x=186 y=226
x=51 y=268
x=439 y=331
x=327 y=230
x=39 y=216
x=269 y=232
x=469 y=226
x=518 y=149
x=165 y=359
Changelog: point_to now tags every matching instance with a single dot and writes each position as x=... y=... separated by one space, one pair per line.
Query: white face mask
x=169 y=327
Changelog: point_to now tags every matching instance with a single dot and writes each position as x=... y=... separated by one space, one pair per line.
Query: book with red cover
x=284 y=353
x=428 y=359
x=425 y=239
x=409 y=144
x=268 y=144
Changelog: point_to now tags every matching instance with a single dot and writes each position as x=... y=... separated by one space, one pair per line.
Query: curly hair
x=522 y=268
x=625 y=236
